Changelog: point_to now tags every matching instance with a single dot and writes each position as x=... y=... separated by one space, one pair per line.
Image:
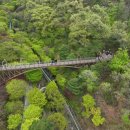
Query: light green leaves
x=14 y=121
x=36 y=97
x=16 y=88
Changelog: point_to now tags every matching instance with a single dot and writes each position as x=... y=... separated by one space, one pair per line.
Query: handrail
x=57 y=63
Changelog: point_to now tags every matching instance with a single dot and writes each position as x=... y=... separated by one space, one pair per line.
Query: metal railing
x=47 y=64
x=53 y=63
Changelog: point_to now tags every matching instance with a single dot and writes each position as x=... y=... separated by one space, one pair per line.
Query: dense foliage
x=13 y=107
x=120 y=59
x=55 y=101
x=58 y=120
x=88 y=103
x=126 y=117
x=14 y=121
x=34 y=75
x=16 y=88
x=54 y=30
x=42 y=124
x=32 y=111
x=36 y=97
x=91 y=110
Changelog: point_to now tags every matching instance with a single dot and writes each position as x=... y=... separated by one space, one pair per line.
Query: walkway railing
x=91 y=60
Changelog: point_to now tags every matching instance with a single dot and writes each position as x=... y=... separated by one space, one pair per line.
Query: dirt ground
x=3 y=98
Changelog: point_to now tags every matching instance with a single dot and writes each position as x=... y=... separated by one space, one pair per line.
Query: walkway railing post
x=71 y=62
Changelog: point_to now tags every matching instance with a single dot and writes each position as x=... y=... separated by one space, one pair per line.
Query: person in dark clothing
x=110 y=52
x=55 y=61
x=52 y=61
x=98 y=55
x=107 y=53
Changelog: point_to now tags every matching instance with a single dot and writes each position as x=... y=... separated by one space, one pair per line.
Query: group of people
x=104 y=54
x=53 y=61
x=107 y=52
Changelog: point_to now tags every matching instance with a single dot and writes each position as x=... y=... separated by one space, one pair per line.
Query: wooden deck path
x=54 y=64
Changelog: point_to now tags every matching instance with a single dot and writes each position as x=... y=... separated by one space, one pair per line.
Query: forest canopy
x=39 y=31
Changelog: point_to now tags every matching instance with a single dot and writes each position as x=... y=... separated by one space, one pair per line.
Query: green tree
x=74 y=86
x=120 y=59
x=14 y=107
x=86 y=29
x=14 y=121
x=27 y=123
x=83 y=31
x=125 y=117
x=59 y=121
x=108 y=93
x=61 y=80
x=16 y=88
x=32 y=112
x=54 y=98
x=16 y=48
x=34 y=75
x=91 y=110
x=42 y=124
x=118 y=37
x=89 y=80
x=39 y=16
x=117 y=11
x=88 y=103
x=36 y=97
x=11 y=49
x=97 y=119
x=3 y=28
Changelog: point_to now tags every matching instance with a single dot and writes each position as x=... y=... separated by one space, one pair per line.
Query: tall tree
x=59 y=121
x=36 y=97
x=14 y=121
x=75 y=87
x=89 y=80
x=34 y=76
x=32 y=112
x=42 y=124
x=120 y=59
x=88 y=103
x=54 y=98
x=14 y=107
x=16 y=88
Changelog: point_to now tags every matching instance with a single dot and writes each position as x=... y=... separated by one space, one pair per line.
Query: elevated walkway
x=8 y=71
x=62 y=63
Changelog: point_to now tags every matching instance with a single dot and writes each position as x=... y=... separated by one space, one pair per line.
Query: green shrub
x=13 y=107
x=3 y=27
x=97 y=119
x=27 y=123
x=61 y=80
x=126 y=117
x=75 y=87
x=54 y=98
x=109 y=96
x=59 y=121
x=88 y=103
x=120 y=59
x=36 y=97
x=34 y=75
x=42 y=124
x=32 y=112
x=16 y=88
x=14 y=121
